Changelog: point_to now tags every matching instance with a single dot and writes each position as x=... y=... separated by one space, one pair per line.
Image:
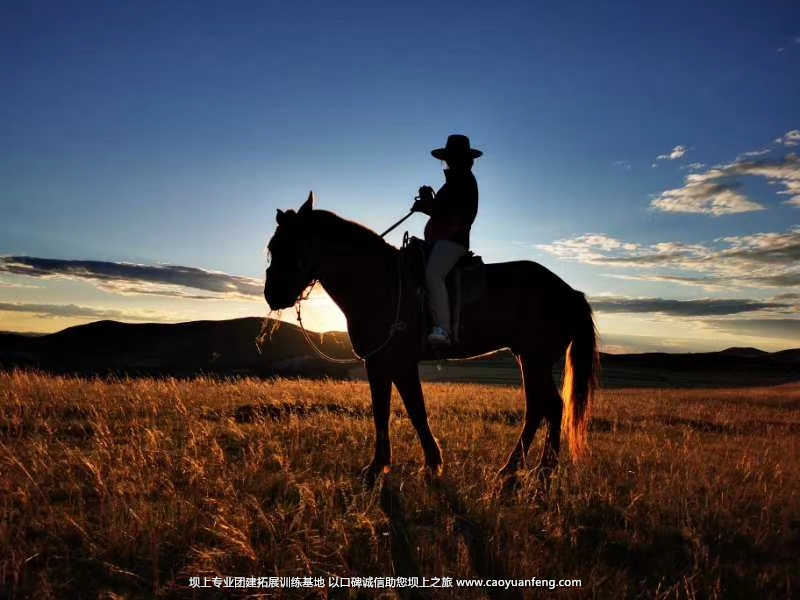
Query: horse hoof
x=432 y=473
x=370 y=475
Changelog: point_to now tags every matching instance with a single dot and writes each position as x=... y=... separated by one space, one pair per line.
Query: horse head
x=292 y=266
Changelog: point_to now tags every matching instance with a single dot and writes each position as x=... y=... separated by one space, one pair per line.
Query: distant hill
x=229 y=348
x=215 y=347
x=792 y=356
x=746 y=352
x=727 y=368
x=733 y=367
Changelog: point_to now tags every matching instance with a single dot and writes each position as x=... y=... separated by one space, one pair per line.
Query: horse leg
x=406 y=380
x=531 y=384
x=553 y=408
x=380 y=386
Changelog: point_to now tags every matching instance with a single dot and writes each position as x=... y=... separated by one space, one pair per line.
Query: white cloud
x=623 y=164
x=590 y=248
x=50 y=311
x=127 y=278
x=701 y=307
x=692 y=281
x=715 y=191
x=695 y=166
x=788 y=296
x=674 y=154
x=790 y=138
x=4 y=284
x=704 y=199
x=760 y=260
x=787 y=329
x=754 y=154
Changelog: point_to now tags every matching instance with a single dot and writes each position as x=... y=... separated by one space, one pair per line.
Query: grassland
x=127 y=488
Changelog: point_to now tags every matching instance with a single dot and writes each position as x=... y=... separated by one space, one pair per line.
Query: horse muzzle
x=276 y=301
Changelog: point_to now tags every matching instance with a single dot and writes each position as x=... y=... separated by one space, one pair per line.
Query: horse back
x=495 y=304
x=491 y=276
x=524 y=273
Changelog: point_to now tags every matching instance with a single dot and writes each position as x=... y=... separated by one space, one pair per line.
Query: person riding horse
x=526 y=308
x=452 y=210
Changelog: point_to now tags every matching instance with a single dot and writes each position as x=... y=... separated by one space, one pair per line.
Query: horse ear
x=280 y=217
x=308 y=204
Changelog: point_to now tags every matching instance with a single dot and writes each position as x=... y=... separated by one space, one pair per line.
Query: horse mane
x=351 y=232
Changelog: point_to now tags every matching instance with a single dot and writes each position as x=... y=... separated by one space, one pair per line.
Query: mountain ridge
x=229 y=348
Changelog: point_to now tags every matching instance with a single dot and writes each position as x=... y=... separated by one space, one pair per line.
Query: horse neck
x=355 y=265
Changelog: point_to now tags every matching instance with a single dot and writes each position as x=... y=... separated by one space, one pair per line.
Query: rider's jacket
x=453 y=210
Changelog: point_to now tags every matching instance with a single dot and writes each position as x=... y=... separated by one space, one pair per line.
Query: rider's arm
x=426 y=202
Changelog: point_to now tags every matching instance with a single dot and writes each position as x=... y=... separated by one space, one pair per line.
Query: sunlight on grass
x=130 y=487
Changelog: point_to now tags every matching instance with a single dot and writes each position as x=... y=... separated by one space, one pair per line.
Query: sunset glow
x=649 y=159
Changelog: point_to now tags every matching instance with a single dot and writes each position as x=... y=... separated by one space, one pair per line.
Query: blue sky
x=646 y=152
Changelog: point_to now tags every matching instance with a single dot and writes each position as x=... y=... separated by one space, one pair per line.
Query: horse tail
x=581 y=370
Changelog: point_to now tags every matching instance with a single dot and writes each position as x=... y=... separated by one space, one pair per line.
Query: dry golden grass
x=125 y=489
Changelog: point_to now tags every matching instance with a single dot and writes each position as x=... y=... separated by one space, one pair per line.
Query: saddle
x=466 y=284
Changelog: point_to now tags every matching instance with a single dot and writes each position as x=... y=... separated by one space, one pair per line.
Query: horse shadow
x=401 y=539
x=486 y=560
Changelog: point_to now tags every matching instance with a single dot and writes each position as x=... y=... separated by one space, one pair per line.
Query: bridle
x=394 y=328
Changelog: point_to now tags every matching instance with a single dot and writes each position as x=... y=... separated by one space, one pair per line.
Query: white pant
x=443 y=258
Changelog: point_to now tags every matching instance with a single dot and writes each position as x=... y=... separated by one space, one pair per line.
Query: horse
x=525 y=308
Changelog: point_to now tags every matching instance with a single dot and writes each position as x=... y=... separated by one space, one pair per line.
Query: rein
x=398 y=325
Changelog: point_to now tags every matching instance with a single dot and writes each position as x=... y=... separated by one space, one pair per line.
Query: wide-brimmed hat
x=457 y=147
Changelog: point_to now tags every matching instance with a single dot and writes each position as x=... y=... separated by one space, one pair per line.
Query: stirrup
x=439 y=337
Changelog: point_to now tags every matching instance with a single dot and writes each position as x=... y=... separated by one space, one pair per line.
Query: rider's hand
x=426 y=193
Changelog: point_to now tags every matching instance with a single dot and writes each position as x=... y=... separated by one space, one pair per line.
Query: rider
x=452 y=211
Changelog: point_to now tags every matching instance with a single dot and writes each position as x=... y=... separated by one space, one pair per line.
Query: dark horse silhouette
x=526 y=308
